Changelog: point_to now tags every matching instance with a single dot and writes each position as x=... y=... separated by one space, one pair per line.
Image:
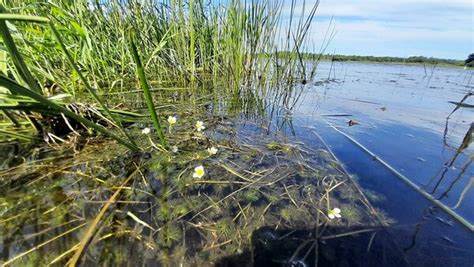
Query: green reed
x=221 y=40
x=79 y=47
x=33 y=91
x=146 y=91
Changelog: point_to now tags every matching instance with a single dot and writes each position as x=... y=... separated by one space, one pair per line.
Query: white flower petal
x=200 y=126
x=331 y=216
x=337 y=215
x=212 y=150
x=171 y=119
x=336 y=210
x=199 y=172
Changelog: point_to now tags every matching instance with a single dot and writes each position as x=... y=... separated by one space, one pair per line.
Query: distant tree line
x=470 y=61
x=413 y=59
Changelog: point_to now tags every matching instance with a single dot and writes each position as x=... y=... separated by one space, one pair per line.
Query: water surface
x=281 y=167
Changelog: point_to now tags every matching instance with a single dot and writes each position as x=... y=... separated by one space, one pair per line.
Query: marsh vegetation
x=146 y=132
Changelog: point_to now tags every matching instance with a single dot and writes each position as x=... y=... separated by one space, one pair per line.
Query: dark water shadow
x=301 y=247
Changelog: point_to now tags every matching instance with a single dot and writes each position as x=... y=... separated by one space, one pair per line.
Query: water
x=267 y=193
x=402 y=116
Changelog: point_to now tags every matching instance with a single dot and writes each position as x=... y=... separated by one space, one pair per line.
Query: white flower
x=174 y=149
x=200 y=126
x=198 y=172
x=212 y=150
x=172 y=120
x=334 y=213
x=146 y=130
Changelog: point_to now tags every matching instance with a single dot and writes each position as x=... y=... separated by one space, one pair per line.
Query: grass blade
x=18 y=17
x=15 y=54
x=146 y=91
x=19 y=89
x=86 y=84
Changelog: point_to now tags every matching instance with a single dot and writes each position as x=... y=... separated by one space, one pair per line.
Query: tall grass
x=84 y=47
x=32 y=91
x=205 y=38
x=146 y=91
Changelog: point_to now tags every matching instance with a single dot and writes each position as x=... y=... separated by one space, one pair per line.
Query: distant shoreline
x=413 y=60
x=430 y=65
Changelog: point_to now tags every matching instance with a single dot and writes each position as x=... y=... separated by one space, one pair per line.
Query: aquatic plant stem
x=93 y=226
x=364 y=199
x=429 y=197
x=146 y=91
x=42 y=244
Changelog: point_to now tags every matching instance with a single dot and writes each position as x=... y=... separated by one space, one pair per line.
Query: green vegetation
x=469 y=62
x=72 y=70
x=124 y=206
x=387 y=59
x=79 y=50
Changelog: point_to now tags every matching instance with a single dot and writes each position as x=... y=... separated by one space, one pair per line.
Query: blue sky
x=394 y=28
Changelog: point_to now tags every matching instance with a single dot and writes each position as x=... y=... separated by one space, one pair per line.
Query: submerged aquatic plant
x=212 y=217
x=351 y=214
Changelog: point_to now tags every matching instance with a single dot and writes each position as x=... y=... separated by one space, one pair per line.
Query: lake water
x=267 y=194
x=400 y=113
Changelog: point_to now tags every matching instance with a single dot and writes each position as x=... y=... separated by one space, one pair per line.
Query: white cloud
x=446 y=24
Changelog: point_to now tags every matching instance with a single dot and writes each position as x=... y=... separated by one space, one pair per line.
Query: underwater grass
x=250 y=182
x=94 y=224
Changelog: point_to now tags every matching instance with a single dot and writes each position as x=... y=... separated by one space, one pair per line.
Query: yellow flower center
x=171 y=120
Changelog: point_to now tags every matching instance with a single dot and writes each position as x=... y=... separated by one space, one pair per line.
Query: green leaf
x=79 y=30
x=48 y=104
x=146 y=91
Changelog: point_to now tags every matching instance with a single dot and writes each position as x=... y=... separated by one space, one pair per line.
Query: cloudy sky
x=395 y=27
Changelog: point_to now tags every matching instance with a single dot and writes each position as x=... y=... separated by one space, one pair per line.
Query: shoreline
x=444 y=65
